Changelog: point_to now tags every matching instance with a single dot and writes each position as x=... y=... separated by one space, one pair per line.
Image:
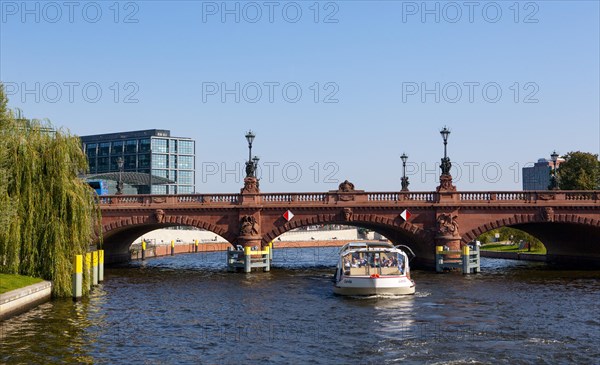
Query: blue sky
x=513 y=83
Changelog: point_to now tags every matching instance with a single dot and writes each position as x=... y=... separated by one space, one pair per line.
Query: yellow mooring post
x=465 y=259
x=172 y=247
x=78 y=277
x=100 y=265
x=88 y=268
x=439 y=258
x=94 y=268
x=143 y=250
x=271 y=251
x=195 y=245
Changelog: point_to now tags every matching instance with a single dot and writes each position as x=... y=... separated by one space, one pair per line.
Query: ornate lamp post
x=554 y=177
x=120 y=182
x=250 y=181
x=405 y=182
x=445 y=177
x=249 y=165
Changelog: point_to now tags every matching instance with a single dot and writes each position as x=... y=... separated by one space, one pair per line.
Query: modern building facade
x=537 y=177
x=154 y=152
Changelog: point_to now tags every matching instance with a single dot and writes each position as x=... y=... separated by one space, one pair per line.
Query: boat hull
x=374 y=286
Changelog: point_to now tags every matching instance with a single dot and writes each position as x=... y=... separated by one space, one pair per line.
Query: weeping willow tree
x=49 y=214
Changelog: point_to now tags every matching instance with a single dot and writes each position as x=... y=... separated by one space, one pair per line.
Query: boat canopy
x=366 y=245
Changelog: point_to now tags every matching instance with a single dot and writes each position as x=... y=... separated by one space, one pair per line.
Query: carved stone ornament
x=346 y=198
x=547 y=214
x=542 y=196
x=249 y=226
x=347 y=212
x=446 y=184
x=447 y=225
x=159 y=214
x=250 y=186
x=159 y=200
x=346 y=187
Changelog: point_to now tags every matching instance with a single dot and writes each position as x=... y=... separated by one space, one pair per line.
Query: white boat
x=373 y=268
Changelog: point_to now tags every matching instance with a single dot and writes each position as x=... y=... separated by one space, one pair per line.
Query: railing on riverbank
x=468 y=260
x=248 y=259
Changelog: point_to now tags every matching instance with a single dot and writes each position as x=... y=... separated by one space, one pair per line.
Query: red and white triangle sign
x=288 y=215
x=405 y=215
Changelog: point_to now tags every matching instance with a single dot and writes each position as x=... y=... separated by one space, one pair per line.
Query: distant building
x=537 y=177
x=152 y=153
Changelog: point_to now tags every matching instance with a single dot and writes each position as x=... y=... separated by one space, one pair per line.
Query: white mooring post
x=100 y=265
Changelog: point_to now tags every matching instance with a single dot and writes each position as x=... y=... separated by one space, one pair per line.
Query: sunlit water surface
x=187 y=309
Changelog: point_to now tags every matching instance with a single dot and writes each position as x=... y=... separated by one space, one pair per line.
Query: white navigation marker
x=405 y=215
x=288 y=215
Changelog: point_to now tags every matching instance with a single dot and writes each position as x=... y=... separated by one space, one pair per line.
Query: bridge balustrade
x=477 y=195
x=371 y=197
x=276 y=198
x=311 y=197
x=581 y=195
x=425 y=197
x=378 y=197
x=291 y=197
x=223 y=198
x=190 y=198
x=510 y=196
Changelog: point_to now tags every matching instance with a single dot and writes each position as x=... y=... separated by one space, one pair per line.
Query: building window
x=160 y=173
x=144 y=161
x=173 y=146
x=91 y=149
x=159 y=161
x=185 y=162
x=103 y=164
x=172 y=161
x=130 y=163
x=92 y=164
x=144 y=145
x=185 y=189
x=186 y=147
x=117 y=148
x=131 y=146
x=159 y=189
x=159 y=145
x=104 y=149
x=185 y=177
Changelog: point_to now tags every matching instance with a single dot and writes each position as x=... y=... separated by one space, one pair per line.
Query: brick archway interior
x=566 y=235
x=118 y=237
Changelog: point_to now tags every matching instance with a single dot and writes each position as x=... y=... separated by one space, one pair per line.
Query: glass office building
x=153 y=152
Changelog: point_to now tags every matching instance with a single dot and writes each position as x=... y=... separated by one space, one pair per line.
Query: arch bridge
x=567 y=222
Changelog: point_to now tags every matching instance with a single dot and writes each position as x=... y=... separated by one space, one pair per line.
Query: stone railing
x=293 y=197
x=581 y=195
x=358 y=197
x=382 y=197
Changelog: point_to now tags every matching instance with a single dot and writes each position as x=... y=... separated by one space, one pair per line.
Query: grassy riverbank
x=499 y=247
x=10 y=282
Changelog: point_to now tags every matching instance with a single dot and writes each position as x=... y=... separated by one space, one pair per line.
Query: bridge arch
x=567 y=237
x=120 y=234
x=419 y=240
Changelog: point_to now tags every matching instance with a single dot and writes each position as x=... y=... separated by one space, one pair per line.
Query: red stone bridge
x=567 y=222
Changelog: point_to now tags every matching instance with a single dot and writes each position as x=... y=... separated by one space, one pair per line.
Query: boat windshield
x=361 y=263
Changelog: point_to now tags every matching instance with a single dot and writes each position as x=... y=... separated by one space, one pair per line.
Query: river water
x=187 y=309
